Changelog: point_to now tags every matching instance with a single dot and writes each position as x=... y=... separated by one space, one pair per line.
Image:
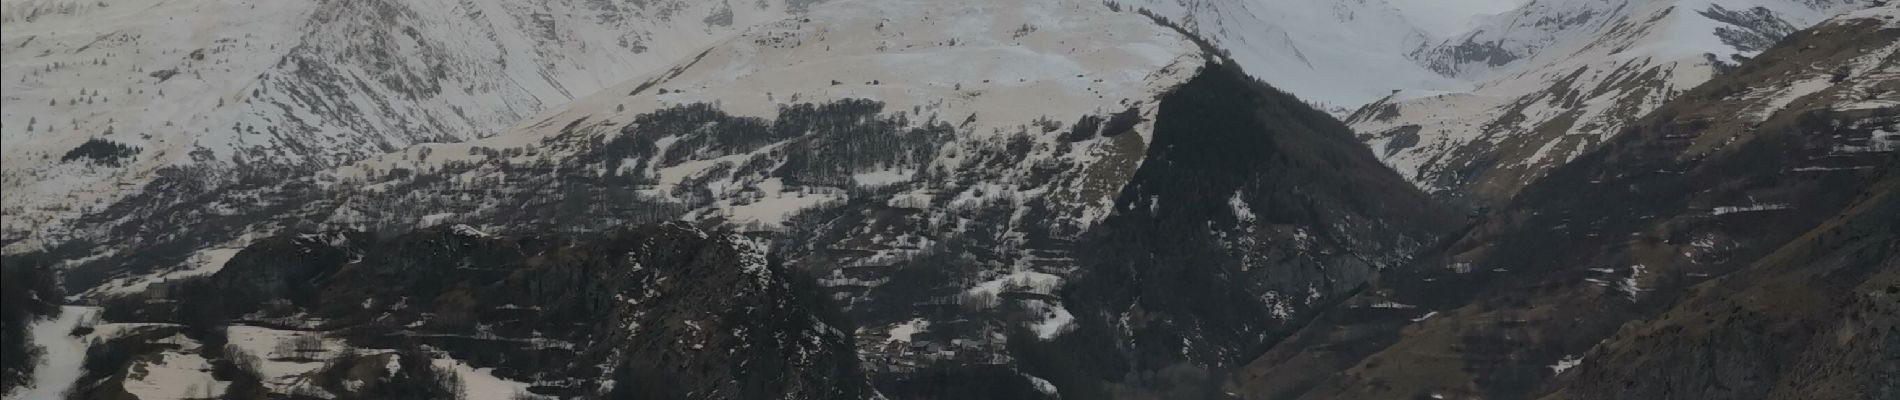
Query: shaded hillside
x=1663 y=265
x=1818 y=318
x=1250 y=209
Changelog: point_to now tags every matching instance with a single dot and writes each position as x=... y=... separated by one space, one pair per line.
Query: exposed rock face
x=1519 y=35
x=657 y=312
x=1664 y=265
x=284 y=267
x=1749 y=30
x=1250 y=210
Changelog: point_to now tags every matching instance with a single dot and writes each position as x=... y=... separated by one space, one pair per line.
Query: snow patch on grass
x=482 y=384
x=1041 y=385
x=884 y=177
x=1058 y=321
x=1725 y=210
x=902 y=332
x=775 y=205
x=60 y=366
x=200 y=264
x=176 y=374
x=1026 y=280
x=281 y=372
x=1241 y=210
x=1566 y=364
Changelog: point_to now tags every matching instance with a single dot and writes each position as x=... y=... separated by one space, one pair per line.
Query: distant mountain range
x=914 y=199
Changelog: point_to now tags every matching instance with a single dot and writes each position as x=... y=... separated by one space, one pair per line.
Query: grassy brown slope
x=1552 y=274
x=1817 y=319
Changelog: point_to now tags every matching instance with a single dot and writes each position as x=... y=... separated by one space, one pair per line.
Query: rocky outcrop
x=1250 y=210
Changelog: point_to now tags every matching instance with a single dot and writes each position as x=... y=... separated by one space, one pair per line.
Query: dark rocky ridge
x=1250 y=211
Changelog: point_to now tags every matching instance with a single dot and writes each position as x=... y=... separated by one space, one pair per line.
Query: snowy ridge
x=1338 y=54
x=205 y=85
x=1857 y=84
x=1010 y=57
x=1504 y=40
x=1040 y=110
x=1570 y=87
x=1015 y=67
x=1018 y=71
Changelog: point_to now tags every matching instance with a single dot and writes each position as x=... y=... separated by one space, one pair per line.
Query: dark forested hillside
x=656 y=312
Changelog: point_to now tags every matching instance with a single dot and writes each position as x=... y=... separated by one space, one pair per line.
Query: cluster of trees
x=703 y=129
x=100 y=152
x=849 y=137
x=825 y=142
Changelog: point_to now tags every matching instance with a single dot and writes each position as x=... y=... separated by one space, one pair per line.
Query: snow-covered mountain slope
x=1564 y=77
x=950 y=79
x=1337 y=54
x=1503 y=40
x=946 y=83
x=910 y=96
x=988 y=67
x=946 y=170
x=198 y=87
